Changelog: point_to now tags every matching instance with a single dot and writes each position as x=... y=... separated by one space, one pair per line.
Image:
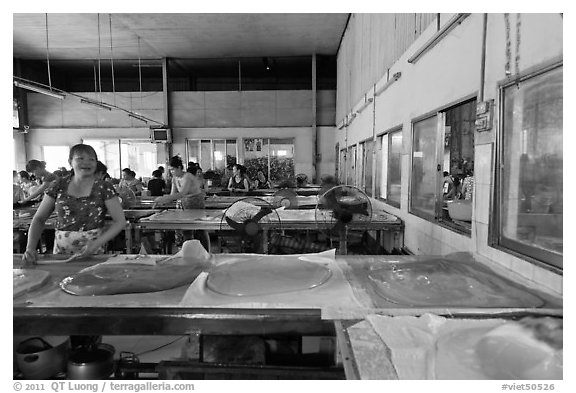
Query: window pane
x=378 y=169
x=360 y=166
x=193 y=150
x=255 y=156
x=532 y=159
x=139 y=156
x=219 y=156
x=56 y=157
x=342 y=170
x=385 y=171
x=282 y=160
x=231 y=152
x=394 y=168
x=368 y=167
x=205 y=154
x=108 y=151
x=423 y=187
x=351 y=165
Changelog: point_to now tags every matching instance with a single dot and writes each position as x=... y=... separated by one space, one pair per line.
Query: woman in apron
x=81 y=202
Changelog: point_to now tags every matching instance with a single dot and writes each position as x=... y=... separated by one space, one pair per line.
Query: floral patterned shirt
x=80 y=213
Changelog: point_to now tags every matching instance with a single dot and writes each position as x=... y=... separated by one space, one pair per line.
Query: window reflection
x=532 y=159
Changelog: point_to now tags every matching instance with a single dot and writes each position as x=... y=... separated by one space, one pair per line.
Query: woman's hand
x=30 y=257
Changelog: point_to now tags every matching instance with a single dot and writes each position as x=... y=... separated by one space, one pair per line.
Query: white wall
x=447 y=74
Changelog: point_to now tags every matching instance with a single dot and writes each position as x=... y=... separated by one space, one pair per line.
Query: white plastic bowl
x=460 y=210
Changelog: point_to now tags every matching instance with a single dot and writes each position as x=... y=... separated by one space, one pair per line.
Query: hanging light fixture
x=36 y=87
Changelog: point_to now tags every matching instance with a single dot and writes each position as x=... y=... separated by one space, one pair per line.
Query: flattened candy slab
x=26 y=280
x=259 y=276
x=115 y=279
x=441 y=283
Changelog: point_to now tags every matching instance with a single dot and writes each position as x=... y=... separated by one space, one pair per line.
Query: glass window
x=137 y=154
x=360 y=166
x=140 y=156
x=424 y=172
x=282 y=160
x=368 y=155
x=56 y=157
x=394 y=168
x=193 y=150
x=351 y=165
x=256 y=155
x=531 y=162
x=205 y=155
x=342 y=169
x=388 y=167
x=275 y=157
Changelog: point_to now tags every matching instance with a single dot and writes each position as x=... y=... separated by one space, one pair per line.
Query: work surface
x=48 y=310
x=360 y=273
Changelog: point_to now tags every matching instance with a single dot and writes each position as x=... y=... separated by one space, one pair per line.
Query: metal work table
x=201 y=219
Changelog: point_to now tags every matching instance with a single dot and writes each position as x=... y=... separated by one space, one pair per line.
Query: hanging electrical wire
x=112 y=61
x=99 y=61
x=48 y=54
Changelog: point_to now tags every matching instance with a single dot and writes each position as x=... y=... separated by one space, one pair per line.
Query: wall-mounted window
x=388 y=167
x=367 y=155
x=273 y=156
x=442 y=179
x=137 y=154
x=351 y=165
x=342 y=167
x=361 y=159
x=530 y=187
x=56 y=157
x=212 y=154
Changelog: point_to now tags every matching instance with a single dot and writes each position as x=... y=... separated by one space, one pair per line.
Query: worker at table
x=239 y=181
x=38 y=169
x=186 y=188
x=81 y=202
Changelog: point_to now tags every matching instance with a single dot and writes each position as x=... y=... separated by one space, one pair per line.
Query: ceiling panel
x=148 y=36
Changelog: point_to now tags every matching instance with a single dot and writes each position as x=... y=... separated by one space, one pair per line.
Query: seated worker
x=102 y=171
x=25 y=182
x=186 y=188
x=129 y=181
x=38 y=169
x=239 y=181
x=81 y=202
x=261 y=181
x=156 y=185
x=448 y=187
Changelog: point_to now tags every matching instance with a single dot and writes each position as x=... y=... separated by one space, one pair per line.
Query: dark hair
x=127 y=170
x=176 y=162
x=161 y=168
x=101 y=168
x=241 y=168
x=24 y=175
x=194 y=170
x=157 y=173
x=32 y=165
x=58 y=172
x=82 y=148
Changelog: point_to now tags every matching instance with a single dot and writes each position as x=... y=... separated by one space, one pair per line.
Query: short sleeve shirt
x=80 y=213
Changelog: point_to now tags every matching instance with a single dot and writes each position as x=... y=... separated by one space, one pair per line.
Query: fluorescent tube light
x=436 y=38
x=386 y=85
x=95 y=103
x=365 y=105
x=138 y=117
x=39 y=89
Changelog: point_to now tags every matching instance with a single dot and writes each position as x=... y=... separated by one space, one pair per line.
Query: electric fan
x=342 y=213
x=285 y=198
x=247 y=217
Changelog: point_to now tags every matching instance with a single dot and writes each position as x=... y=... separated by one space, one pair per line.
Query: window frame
x=212 y=141
x=440 y=114
x=540 y=257
x=379 y=151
